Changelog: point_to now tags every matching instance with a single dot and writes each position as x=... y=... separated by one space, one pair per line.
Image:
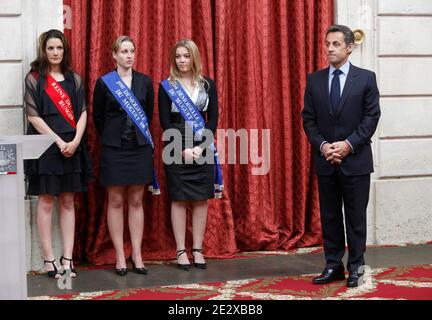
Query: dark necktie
x=335 y=90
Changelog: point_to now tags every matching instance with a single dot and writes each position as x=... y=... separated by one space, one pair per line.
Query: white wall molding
x=398 y=47
x=23 y=20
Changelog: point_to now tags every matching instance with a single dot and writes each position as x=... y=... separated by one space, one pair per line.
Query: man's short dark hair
x=347 y=32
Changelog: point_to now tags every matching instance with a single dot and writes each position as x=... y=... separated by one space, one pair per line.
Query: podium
x=13 y=150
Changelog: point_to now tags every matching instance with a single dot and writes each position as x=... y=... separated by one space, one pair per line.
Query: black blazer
x=355 y=120
x=109 y=117
x=164 y=103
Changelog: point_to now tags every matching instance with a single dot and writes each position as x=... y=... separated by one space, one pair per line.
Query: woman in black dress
x=189 y=183
x=65 y=167
x=126 y=157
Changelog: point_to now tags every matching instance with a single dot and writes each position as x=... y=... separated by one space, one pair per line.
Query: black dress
x=53 y=173
x=126 y=157
x=190 y=181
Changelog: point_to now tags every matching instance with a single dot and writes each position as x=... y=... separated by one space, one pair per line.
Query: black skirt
x=129 y=165
x=55 y=185
x=54 y=174
x=190 y=181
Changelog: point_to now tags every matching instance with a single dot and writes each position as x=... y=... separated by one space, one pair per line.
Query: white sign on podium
x=13 y=150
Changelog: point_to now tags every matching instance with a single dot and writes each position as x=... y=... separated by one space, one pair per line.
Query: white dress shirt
x=342 y=78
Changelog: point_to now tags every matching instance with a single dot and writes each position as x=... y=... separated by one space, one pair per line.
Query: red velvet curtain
x=259 y=53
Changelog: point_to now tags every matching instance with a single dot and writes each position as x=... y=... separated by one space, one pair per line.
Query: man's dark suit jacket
x=109 y=117
x=356 y=119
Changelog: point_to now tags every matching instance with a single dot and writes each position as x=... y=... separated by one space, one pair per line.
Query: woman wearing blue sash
x=54 y=103
x=189 y=182
x=126 y=156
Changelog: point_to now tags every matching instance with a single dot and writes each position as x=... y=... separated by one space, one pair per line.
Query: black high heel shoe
x=71 y=267
x=54 y=272
x=196 y=264
x=142 y=270
x=121 y=272
x=182 y=266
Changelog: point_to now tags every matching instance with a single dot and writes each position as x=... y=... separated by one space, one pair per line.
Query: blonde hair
x=175 y=73
x=118 y=42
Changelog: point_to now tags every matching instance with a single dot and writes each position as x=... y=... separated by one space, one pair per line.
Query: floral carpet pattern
x=405 y=283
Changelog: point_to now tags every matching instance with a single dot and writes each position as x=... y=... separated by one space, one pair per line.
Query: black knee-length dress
x=190 y=181
x=53 y=173
x=126 y=157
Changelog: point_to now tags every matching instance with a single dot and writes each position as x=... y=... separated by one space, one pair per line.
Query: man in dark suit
x=340 y=115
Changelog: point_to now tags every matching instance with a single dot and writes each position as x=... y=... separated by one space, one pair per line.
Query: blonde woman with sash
x=187 y=94
x=122 y=111
x=55 y=104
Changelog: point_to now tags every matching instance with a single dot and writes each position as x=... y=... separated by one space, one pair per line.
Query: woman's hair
x=117 y=43
x=41 y=64
x=175 y=73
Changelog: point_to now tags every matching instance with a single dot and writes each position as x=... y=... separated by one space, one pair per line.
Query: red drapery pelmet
x=259 y=53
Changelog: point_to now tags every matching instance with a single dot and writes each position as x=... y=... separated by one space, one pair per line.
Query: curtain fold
x=259 y=53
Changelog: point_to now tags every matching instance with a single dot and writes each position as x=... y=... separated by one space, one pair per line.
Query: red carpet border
x=407 y=283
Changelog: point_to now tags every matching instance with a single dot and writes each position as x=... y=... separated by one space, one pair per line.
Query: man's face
x=337 y=50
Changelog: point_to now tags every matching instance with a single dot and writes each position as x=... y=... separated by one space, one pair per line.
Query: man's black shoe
x=353 y=279
x=330 y=275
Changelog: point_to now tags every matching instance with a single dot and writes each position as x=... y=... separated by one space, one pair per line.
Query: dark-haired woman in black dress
x=55 y=104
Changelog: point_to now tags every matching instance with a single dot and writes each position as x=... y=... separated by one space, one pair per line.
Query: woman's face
x=54 y=51
x=125 y=56
x=183 y=60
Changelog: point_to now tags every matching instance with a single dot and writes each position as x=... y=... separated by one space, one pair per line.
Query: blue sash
x=131 y=105
x=193 y=117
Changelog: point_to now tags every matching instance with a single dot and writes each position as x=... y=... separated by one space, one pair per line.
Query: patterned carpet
x=405 y=283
